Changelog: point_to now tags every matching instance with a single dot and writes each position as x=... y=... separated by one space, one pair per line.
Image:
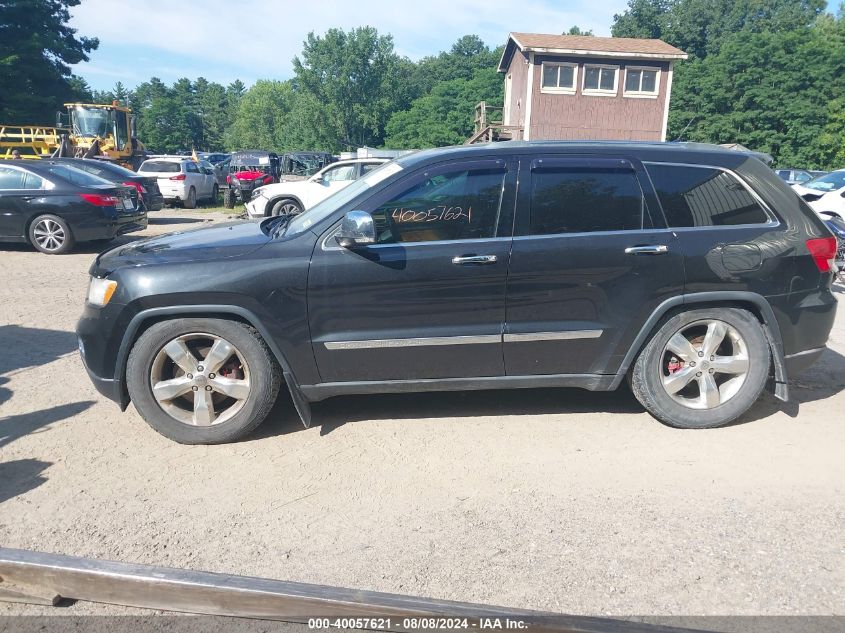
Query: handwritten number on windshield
x=442 y=213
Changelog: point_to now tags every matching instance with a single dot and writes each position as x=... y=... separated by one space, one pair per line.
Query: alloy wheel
x=704 y=364
x=49 y=234
x=200 y=379
x=289 y=208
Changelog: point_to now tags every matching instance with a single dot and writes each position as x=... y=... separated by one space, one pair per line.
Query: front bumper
x=255 y=207
x=108 y=387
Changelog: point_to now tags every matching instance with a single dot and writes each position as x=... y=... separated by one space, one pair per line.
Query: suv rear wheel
x=703 y=368
x=202 y=381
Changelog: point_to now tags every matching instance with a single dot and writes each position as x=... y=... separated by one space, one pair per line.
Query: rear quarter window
x=693 y=196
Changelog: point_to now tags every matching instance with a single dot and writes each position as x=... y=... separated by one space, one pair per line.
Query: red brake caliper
x=675 y=365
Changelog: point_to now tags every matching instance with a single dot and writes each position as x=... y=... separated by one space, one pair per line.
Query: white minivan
x=182 y=180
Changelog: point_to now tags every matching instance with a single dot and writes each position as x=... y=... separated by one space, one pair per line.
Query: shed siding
x=587 y=117
x=518 y=69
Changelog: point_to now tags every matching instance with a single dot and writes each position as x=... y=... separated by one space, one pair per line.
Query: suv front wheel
x=202 y=381
x=702 y=368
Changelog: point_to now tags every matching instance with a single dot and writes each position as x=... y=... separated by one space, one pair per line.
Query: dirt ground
x=558 y=500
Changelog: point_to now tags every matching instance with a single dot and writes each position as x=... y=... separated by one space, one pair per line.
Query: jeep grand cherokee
x=693 y=272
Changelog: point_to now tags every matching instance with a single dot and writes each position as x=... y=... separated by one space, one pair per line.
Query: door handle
x=656 y=249
x=474 y=259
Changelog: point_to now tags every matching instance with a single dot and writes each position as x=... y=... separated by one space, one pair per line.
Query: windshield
x=160 y=166
x=324 y=209
x=77 y=176
x=89 y=121
x=828 y=182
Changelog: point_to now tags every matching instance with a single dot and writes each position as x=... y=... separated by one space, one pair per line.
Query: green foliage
x=450 y=85
x=445 y=115
x=352 y=83
x=576 y=30
x=262 y=118
x=36 y=49
x=769 y=74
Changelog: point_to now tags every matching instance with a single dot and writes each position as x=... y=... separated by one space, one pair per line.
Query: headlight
x=100 y=291
x=257 y=192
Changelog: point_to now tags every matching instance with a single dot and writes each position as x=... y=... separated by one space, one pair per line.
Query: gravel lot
x=560 y=500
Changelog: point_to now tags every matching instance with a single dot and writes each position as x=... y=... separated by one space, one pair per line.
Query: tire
x=229 y=199
x=191 y=200
x=286 y=206
x=182 y=413
x=215 y=191
x=743 y=345
x=51 y=234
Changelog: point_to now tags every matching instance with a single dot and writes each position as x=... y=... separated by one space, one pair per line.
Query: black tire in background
x=229 y=199
x=648 y=372
x=215 y=192
x=50 y=234
x=264 y=378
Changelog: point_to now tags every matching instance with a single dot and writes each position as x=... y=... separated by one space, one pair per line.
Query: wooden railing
x=489 y=126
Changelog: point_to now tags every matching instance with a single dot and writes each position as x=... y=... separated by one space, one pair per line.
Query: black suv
x=694 y=272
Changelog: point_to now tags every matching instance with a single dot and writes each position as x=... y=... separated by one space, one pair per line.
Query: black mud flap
x=781 y=379
x=303 y=407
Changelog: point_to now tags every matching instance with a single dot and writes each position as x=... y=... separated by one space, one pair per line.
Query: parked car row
x=797 y=176
x=825 y=194
x=52 y=205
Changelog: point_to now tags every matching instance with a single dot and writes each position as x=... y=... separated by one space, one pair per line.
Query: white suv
x=182 y=179
x=290 y=198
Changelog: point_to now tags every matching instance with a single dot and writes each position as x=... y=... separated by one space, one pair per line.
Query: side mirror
x=357 y=229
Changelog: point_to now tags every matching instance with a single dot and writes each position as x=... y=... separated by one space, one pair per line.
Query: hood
x=221 y=241
x=249 y=175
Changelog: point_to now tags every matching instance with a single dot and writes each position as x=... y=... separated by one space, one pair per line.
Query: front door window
x=458 y=205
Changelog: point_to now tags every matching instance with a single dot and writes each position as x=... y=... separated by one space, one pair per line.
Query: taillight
x=100 y=199
x=228 y=180
x=178 y=177
x=138 y=186
x=823 y=250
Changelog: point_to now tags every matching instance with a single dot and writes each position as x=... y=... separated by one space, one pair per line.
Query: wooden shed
x=574 y=87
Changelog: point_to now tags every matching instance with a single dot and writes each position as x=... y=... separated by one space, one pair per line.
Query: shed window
x=641 y=81
x=559 y=77
x=600 y=79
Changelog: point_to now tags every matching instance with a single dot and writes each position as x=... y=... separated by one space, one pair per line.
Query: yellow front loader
x=86 y=130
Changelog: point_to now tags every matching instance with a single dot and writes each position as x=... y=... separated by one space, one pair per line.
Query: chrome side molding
x=462 y=340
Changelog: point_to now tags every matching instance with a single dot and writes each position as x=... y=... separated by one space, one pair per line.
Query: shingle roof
x=588 y=44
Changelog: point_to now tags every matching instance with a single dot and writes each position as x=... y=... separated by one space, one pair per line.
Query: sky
x=224 y=40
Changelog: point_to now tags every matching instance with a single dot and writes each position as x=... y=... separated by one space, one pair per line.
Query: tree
x=699 y=27
x=353 y=82
x=468 y=55
x=262 y=120
x=576 y=30
x=36 y=49
x=445 y=116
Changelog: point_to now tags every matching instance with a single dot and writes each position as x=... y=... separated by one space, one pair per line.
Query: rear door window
x=192 y=168
x=570 y=199
x=693 y=196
